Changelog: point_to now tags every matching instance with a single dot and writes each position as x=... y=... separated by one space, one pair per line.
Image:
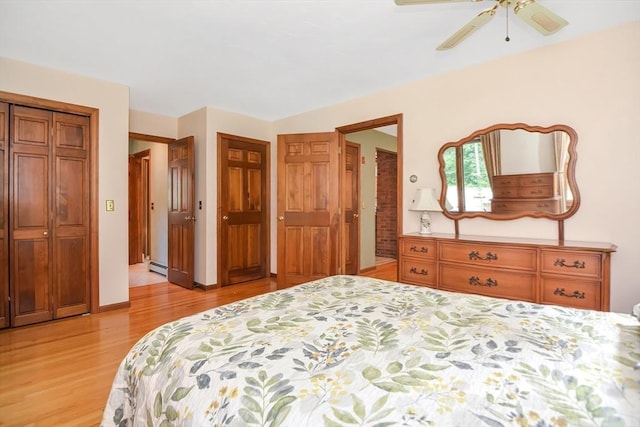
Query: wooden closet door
x=243 y=205
x=29 y=253
x=70 y=214
x=4 y=215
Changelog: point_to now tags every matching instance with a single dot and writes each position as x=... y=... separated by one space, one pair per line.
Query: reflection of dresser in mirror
x=537 y=192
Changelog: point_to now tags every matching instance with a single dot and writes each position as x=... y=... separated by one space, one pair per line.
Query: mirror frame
x=570 y=174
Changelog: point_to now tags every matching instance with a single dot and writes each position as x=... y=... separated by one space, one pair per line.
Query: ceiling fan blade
x=464 y=32
x=408 y=2
x=539 y=17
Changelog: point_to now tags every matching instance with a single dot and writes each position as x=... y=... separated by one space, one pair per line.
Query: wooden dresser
x=573 y=274
x=536 y=192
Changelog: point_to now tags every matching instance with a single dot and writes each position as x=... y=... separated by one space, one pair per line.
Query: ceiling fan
x=534 y=14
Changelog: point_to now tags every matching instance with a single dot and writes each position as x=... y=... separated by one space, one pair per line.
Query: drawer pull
x=422 y=250
x=559 y=262
x=575 y=294
x=475 y=281
x=422 y=271
x=475 y=255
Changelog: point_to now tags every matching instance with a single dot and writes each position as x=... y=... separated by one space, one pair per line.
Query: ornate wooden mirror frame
x=529 y=172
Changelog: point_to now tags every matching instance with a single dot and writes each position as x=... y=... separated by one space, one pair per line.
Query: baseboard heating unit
x=158 y=268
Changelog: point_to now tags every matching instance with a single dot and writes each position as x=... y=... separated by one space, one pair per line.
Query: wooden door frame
x=395 y=119
x=93 y=114
x=267 y=209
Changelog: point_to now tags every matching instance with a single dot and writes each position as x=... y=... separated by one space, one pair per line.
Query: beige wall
x=153 y=124
x=590 y=83
x=113 y=102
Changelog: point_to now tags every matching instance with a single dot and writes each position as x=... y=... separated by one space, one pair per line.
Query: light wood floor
x=59 y=373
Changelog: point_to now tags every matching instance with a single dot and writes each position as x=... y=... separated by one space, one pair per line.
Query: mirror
x=510 y=171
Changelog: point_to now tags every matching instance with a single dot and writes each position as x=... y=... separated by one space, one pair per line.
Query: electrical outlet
x=110 y=206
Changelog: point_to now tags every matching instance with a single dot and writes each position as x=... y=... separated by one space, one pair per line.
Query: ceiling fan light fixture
x=539 y=17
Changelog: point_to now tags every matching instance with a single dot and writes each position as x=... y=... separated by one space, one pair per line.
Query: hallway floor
x=139 y=275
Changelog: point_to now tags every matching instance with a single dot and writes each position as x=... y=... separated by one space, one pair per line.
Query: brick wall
x=386 y=212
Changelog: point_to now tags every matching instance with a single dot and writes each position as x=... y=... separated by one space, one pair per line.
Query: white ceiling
x=270 y=58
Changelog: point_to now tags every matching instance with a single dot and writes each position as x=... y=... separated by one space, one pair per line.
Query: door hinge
x=339 y=150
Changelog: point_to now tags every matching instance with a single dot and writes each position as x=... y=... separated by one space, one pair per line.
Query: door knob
x=226 y=218
x=190 y=218
x=355 y=215
x=45 y=233
x=281 y=218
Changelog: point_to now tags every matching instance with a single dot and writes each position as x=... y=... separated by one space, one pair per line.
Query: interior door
x=243 y=203
x=135 y=182
x=351 y=240
x=70 y=220
x=308 y=202
x=4 y=214
x=181 y=216
x=30 y=240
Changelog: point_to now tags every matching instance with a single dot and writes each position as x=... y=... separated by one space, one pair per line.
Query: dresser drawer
x=486 y=281
x=547 y=179
x=423 y=248
x=505 y=181
x=571 y=293
x=537 y=191
x=417 y=271
x=518 y=205
x=489 y=255
x=581 y=264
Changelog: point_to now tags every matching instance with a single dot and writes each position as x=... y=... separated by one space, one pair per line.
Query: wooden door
x=243 y=206
x=135 y=184
x=139 y=227
x=30 y=227
x=181 y=217
x=351 y=240
x=4 y=215
x=308 y=201
x=70 y=215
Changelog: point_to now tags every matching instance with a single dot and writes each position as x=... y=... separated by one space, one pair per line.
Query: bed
x=348 y=350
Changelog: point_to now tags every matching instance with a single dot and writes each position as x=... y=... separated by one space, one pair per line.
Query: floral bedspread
x=345 y=351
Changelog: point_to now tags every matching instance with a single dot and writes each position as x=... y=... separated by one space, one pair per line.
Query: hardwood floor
x=59 y=373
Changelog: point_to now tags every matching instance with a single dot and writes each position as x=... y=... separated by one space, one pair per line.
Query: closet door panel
x=4 y=215
x=30 y=273
x=31 y=300
x=70 y=280
x=70 y=214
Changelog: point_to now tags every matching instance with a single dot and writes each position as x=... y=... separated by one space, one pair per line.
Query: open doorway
x=147 y=209
x=379 y=214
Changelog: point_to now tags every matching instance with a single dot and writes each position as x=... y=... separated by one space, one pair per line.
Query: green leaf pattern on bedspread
x=353 y=351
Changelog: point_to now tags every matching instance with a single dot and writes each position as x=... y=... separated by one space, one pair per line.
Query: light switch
x=110 y=206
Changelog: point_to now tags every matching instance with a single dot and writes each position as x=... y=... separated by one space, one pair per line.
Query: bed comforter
x=346 y=351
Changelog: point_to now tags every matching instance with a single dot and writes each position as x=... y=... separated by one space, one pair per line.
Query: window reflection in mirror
x=475 y=188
